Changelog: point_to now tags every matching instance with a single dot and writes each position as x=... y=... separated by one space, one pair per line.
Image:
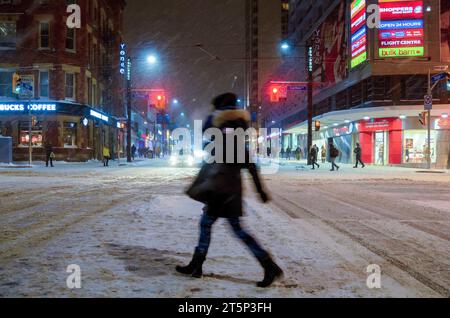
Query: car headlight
x=190 y=160
x=173 y=160
x=199 y=154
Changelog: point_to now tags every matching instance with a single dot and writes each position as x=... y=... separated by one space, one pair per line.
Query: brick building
x=77 y=93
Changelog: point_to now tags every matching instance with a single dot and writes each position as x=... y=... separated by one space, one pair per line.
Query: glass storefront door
x=380 y=150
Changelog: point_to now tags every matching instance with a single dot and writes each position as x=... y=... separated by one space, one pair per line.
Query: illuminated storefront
x=76 y=132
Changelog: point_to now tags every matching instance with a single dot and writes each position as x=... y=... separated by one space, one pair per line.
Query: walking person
x=106 y=156
x=288 y=153
x=313 y=154
x=324 y=154
x=334 y=153
x=282 y=153
x=298 y=153
x=49 y=155
x=219 y=186
x=133 y=151
x=358 y=153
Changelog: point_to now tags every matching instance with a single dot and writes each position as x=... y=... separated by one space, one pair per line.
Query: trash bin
x=5 y=150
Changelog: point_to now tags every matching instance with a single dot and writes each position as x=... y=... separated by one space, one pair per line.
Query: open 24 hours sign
x=401 y=33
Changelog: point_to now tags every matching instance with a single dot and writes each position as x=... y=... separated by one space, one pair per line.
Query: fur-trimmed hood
x=231 y=116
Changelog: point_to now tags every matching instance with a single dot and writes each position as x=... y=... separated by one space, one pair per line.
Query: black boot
x=272 y=272
x=195 y=266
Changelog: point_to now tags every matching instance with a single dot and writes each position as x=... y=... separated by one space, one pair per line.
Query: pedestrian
x=219 y=186
x=288 y=153
x=334 y=153
x=106 y=156
x=407 y=155
x=358 y=153
x=133 y=151
x=381 y=155
x=313 y=155
x=298 y=153
x=282 y=153
x=49 y=154
x=324 y=154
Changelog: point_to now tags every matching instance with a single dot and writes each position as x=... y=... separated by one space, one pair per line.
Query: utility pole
x=129 y=157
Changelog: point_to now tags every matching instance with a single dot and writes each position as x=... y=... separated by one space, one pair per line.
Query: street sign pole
x=310 y=101
x=129 y=155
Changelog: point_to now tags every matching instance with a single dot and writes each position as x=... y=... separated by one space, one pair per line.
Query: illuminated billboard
x=401 y=10
x=358 y=32
x=401 y=32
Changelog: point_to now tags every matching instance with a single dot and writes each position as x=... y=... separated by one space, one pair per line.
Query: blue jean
x=206 y=224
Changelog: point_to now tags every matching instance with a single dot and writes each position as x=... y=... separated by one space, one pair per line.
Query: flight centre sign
x=401 y=32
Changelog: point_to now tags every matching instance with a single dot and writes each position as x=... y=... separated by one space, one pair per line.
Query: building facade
x=369 y=81
x=75 y=94
x=266 y=27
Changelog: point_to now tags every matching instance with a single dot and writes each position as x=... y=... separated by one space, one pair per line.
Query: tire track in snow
x=45 y=231
x=442 y=290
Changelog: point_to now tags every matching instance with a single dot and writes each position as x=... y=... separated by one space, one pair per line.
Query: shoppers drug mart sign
x=401 y=32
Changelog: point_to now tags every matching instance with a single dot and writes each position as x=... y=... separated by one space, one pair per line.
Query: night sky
x=169 y=29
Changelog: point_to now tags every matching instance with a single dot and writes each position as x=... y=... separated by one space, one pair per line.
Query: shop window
x=415 y=147
x=70 y=134
x=36 y=134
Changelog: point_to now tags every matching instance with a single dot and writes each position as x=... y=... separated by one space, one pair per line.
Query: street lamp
x=151 y=59
x=285 y=46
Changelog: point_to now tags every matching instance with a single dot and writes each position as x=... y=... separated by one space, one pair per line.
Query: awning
x=354 y=115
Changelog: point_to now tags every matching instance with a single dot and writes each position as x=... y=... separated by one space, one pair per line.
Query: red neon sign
x=358 y=21
x=358 y=45
x=401 y=10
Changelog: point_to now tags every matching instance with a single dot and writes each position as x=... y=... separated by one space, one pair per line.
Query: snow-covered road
x=127 y=227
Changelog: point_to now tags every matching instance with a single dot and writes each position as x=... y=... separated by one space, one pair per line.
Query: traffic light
x=274 y=94
x=317 y=125
x=17 y=84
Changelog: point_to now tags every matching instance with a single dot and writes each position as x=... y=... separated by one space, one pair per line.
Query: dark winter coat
x=334 y=152
x=314 y=153
x=358 y=152
x=223 y=180
x=48 y=150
